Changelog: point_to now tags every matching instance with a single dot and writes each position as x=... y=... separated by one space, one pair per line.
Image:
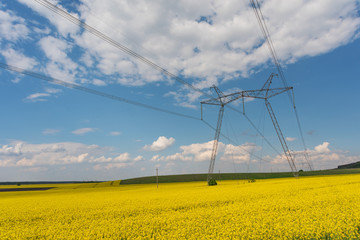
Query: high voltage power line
x=116 y=44
x=113 y=97
x=234 y=142
x=137 y=56
x=92 y=91
x=132 y=53
x=261 y=20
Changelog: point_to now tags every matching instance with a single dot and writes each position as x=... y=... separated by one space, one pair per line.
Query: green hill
x=350 y=165
x=232 y=176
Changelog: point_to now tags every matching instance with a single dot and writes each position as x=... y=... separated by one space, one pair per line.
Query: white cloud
x=16 y=80
x=45 y=31
x=160 y=144
x=239 y=154
x=18 y=59
x=157 y=158
x=179 y=156
x=38 y=97
x=322 y=157
x=200 y=152
x=53 y=90
x=138 y=158
x=230 y=43
x=35 y=169
x=290 y=139
x=98 y=82
x=115 y=133
x=51 y=131
x=120 y=161
x=323 y=148
x=124 y=157
x=22 y=154
x=174 y=157
x=82 y=131
x=111 y=166
x=12 y=27
x=60 y=65
x=42 y=97
x=61 y=24
x=87 y=60
x=184 y=99
x=101 y=159
x=211 y=44
x=35 y=157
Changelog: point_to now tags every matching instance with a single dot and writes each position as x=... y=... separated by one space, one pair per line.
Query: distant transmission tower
x=264 y=93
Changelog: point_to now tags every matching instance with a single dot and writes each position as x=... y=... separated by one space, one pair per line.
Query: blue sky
x=49 y=132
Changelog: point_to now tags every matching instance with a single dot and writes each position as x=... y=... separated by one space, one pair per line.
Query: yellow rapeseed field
x=304 y=208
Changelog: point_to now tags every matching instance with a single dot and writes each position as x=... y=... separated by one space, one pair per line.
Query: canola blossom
x=326 y=207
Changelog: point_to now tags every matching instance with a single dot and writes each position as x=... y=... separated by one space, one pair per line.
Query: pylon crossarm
x=260 y=94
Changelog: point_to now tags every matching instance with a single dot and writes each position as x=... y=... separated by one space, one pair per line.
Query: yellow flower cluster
x=304 y=208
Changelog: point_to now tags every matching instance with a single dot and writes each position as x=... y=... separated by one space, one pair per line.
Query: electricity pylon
x=264 y=93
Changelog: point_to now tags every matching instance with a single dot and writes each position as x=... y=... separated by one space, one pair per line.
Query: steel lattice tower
x=264 y=93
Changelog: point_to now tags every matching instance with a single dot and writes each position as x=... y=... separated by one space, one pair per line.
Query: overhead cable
x=125 y=49
x=110 y=96
x=261 y=20
x=89 y=90
x=257 y=129
x=116 y=44
x=233 y=142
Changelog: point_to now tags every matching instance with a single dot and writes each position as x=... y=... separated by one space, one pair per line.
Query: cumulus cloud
x=98 y=82
x=138 y=158
x=200 y=152
x=60 y=65
x=160 y=144
x=12 y=27
x=323 y=148
x=321 y=157
x=20 y=153
x=218 y=38
x=124 y=157
x=209 y=42
x=174 y=157
x=157 y=158
x=36 y=157
x=290 y=139
x=82 y=131
x=121 y=161
x=62 y=26
x=239 y=154
x=18 y=59
x=109 y=166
